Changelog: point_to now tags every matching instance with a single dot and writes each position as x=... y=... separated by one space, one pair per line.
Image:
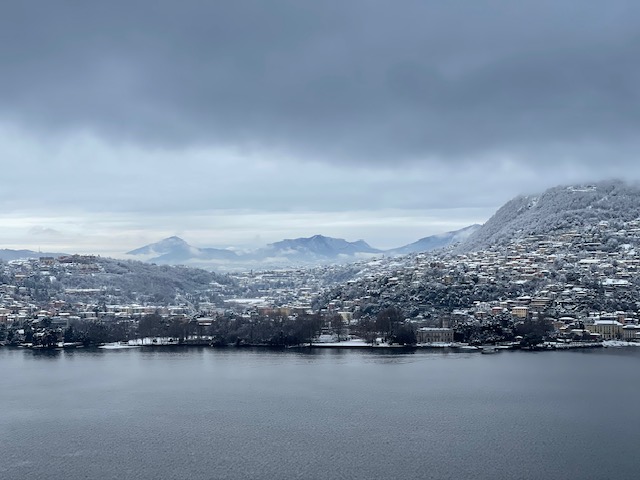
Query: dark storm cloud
x=360 y=79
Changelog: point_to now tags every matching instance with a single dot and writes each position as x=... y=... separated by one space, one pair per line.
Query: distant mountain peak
x=174 y=250
x=161 y=247
x=320 y=245
x=433 y=242
x=317 y=249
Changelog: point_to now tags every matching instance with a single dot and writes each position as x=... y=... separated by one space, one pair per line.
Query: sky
x=239 y=123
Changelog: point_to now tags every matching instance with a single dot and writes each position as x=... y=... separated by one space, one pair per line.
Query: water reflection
x=46 y=354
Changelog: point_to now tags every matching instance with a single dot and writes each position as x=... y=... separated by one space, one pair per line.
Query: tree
x=337 y=325
x=50 y=338
x=366 y=329
x=178 y=328
x=69 y=334
x=405 y=335
x=531 y=340
x=387 y=321
x=533 y=331
x=28 y=334
x=151 y=325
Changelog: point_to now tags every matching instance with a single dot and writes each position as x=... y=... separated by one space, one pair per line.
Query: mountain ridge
x=558 y=208
x=7 y=254
x=317 y=249
x=174 y=250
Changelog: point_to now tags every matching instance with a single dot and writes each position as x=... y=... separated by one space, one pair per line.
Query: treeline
x=230 y=329
x=503 y=328
x=46 y=335
x=234 y=329
x=388 y=325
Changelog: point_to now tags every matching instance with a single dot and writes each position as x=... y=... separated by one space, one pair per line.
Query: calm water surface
x=243 y=414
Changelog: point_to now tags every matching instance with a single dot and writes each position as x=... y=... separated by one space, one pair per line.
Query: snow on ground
x=140 y=342
x=355 y=342
x=435 y=344
x=117 y=346
x=620 y=343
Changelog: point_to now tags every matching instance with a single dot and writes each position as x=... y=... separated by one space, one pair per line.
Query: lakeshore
x=355 y=344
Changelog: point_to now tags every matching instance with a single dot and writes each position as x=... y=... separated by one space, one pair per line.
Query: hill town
x=558 y=270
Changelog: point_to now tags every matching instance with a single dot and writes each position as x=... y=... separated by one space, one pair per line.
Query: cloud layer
x=330 y=81
x=151 y=109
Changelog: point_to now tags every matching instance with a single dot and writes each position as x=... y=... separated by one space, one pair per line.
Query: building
x=520 y=311
x=434 y=335
x=631 y=333
x=608 y=329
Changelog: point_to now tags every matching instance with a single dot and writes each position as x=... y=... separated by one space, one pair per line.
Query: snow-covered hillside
x=558 y=208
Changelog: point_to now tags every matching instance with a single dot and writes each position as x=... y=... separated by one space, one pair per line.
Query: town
x=569 y=288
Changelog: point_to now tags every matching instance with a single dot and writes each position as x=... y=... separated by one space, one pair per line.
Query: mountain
x=304 y=251
x=163 y=247
x=317 y=247
x=434 y=242
x=559 y=208
x=8 y=254
x=174 y=250
x=300 y=251
x=567 y=252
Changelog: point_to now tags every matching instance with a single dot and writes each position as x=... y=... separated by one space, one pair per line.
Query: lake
x=201 y=413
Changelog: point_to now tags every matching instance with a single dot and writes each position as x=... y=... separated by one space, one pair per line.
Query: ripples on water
x=321 y=414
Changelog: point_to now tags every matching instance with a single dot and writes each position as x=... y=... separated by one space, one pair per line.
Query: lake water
x=253 y=414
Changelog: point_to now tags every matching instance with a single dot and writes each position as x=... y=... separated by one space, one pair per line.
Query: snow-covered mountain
x=300 y=251
x=317 y=247
x=559 y=208
x=162 y=247
x=314 y=250
x=174 y=250
x=434 y=242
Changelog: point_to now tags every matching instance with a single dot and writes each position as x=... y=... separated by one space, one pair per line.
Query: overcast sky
x=246 y=122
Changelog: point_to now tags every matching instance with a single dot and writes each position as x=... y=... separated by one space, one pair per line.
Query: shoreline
x=343 y=345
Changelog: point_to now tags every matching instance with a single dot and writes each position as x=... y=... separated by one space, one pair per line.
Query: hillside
x=559 y=208
x=112 y=281
x=574 y=248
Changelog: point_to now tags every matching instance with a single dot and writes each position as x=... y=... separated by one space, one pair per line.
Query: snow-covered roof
x=607 y=322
